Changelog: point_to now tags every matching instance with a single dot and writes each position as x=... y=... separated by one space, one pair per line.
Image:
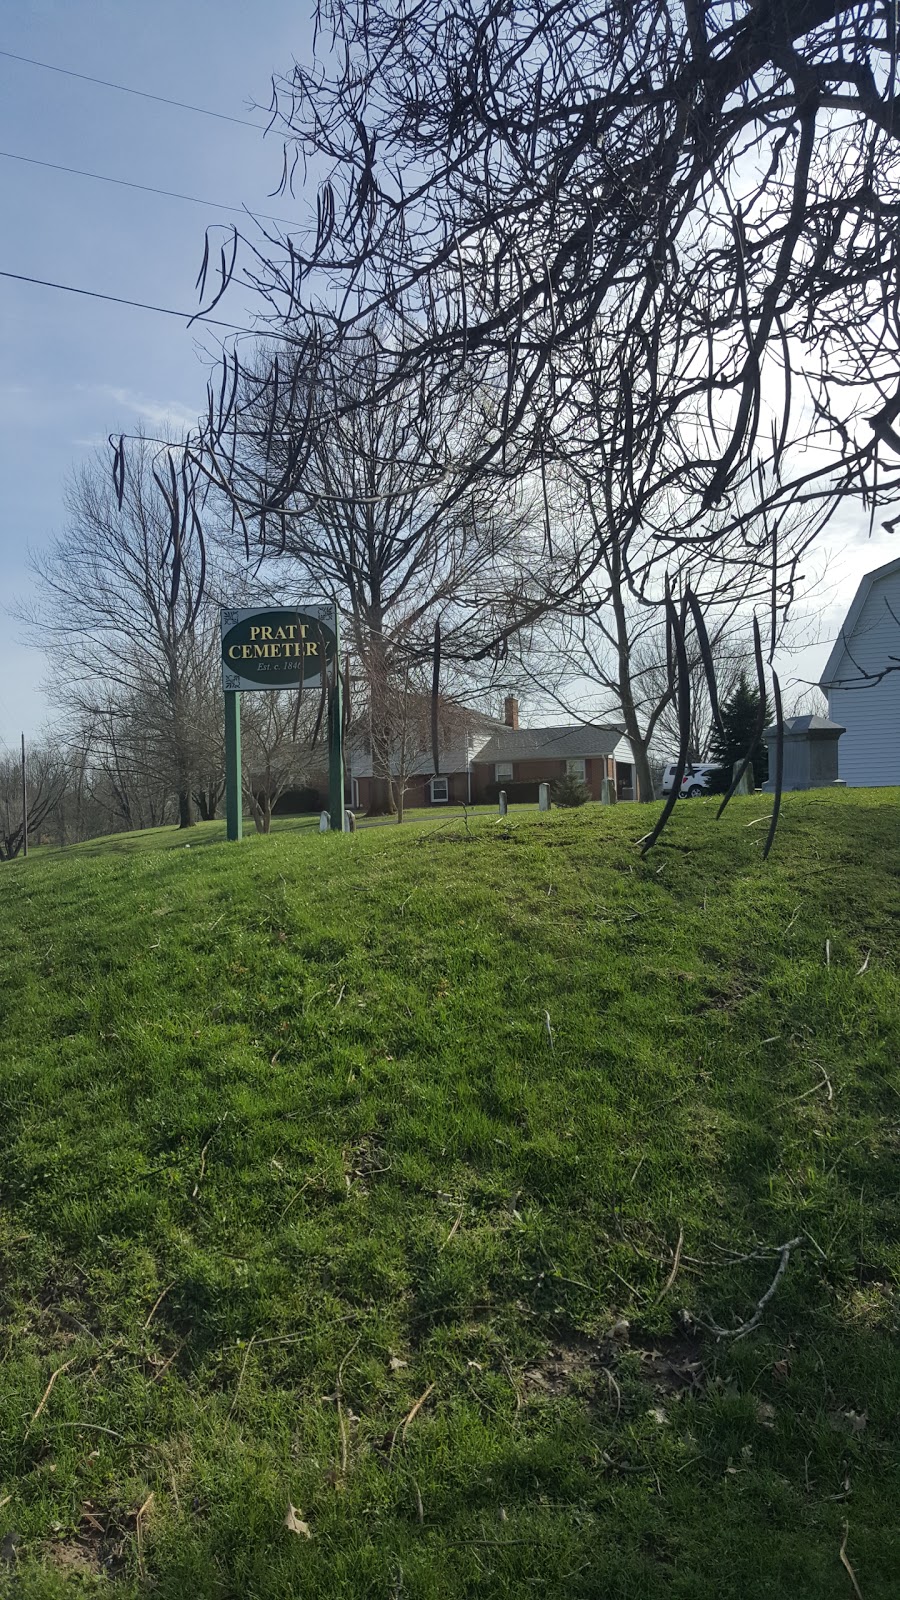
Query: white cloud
x=165 y=414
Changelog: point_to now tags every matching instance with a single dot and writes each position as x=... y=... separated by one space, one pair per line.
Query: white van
x=696 y=781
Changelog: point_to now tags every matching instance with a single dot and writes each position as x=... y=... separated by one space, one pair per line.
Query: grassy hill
x=401 y=1178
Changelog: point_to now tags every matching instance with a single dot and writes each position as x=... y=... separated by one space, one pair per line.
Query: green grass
x=173 y=838
x=288 y=1150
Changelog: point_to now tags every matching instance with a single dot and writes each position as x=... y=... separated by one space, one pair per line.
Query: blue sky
x=73 y=371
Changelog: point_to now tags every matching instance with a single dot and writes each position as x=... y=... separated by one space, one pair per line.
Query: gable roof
x=535 y=744
x=803 y=727
x=869 y=579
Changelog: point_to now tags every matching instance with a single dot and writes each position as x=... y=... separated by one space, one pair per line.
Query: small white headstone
x=349 y=822
x=746 y=784
x=608 y=795
x=544 y=796
x=324 y=822
x=502 y=800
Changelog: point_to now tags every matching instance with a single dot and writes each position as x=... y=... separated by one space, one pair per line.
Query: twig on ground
x=828 y=952
x=824 y=1082
x=613 y=1385
x=166 y=1364
x=339 y=1399
x=784 y=1252
x=295 y=1197
x=92 y=1427
x=756 y=820
x=139 y=1530
x=549 y=1029
x=861 y=970
x=241 y=1377
x=795 y=915
x=420 y=1509
x=209 y=1141
x=46 y=1394
x=675 y=1265
x=415 y=1410
x=453 y=1229
x=515 y=1386
x=157 y=1303
x=846 y=1564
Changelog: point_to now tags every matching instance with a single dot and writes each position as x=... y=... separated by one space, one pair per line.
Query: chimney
x=511 y=711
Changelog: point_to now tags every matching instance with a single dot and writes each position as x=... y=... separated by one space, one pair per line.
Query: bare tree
x=578 y=168
x=686 y=211
x=46 y=782
x=121 y=610
x=277 y=750
x=359 y=484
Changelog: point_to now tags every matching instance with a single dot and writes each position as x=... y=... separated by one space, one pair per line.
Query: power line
x=144 y=305
x=120 y=300
x=146 y=188
x=144 y=94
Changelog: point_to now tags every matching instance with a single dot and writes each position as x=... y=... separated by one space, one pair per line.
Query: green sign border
x=288 y=657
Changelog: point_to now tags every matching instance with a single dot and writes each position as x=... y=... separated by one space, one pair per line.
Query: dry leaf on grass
x=397 y=1364
x=295 y=1524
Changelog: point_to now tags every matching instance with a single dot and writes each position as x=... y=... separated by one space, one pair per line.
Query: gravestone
x=746 y=784
x=544 y=796
x=810 y=753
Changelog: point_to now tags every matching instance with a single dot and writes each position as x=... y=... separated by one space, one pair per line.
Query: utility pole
x=24 y=801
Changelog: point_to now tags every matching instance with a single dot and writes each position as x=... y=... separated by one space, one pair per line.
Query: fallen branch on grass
x=675 y=1265
x=784 y=1252
x=415 y=1410
x=46 y=1394
x=209 y=1141
x=846 y=1564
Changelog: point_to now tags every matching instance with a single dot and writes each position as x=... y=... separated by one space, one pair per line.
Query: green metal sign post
x=234 y=807
x=281 y=648
x=336 y=743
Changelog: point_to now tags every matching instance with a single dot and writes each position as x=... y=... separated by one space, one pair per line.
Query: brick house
x=480 y=756
x=519 y=759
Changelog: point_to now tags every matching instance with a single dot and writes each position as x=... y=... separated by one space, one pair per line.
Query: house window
x=440 y=791
x=576 y=768
x=503 y=771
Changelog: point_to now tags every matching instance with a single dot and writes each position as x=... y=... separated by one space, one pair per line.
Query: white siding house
x=862 y=681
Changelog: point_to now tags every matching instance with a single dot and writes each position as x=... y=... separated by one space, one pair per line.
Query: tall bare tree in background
x=46 y=782
x=358 y=487
x=690 y=205
x=124 y=612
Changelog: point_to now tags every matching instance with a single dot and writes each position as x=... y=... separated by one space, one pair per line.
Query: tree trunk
x=185 y=809
x=382 y=800
x=207 y=803
x=643 y=781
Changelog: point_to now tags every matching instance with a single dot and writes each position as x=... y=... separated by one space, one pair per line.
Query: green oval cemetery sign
x=277 y=648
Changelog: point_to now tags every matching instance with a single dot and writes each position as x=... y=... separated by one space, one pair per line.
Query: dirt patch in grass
x=672 y=1365
x=95 y=1548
